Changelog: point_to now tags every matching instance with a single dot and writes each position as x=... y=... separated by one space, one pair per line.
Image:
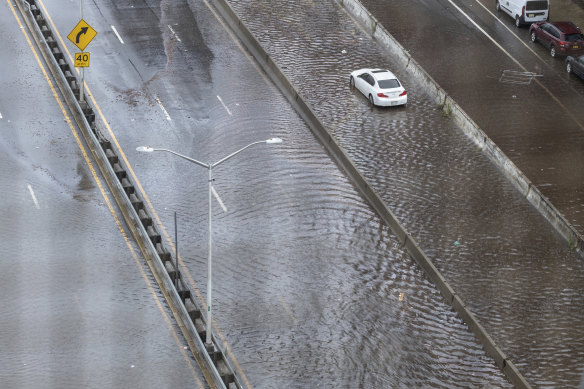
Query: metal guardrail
x=215 y=366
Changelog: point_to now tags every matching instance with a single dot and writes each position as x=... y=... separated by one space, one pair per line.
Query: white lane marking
x=118 y=35
x=549 y=92
x=224 y=106
x=36 y=203
x=487 y=35
x=0 y=115
x=288 y=310
x=163 y=109
x=174 y=33
x=511 y=31
x=218 y=199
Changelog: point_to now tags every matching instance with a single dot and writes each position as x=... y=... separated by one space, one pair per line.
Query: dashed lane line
x=34 y=199
x=174 y=33
x=224 y=106
x=162 y=108
x=118 y=35
x=218 y=199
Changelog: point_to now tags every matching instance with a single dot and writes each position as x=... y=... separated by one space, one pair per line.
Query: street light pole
x=209 y=264
x=209 y=167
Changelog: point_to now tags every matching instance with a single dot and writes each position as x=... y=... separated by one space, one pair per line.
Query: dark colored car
x=575 y=65
x=562 y=38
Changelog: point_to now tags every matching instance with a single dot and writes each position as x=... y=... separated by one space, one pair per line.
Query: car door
x=370 y=84
x=361 y=82
x=545 y=36
x=364 y=83
x=578 y=66
x=555 y=35
x=507 y=6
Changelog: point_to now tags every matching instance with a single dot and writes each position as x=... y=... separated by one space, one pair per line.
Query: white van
x=525 y=11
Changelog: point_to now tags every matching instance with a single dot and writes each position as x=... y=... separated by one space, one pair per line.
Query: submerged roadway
x=311 y=288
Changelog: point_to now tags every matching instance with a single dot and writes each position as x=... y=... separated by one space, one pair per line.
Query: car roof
x=566 y=27
x=382 y=74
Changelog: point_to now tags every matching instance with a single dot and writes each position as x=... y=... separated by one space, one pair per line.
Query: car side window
x=550 y=30
x=582 y=60
x=370 y=79
x=555 y=32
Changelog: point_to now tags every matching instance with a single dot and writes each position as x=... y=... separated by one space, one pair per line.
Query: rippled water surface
x=519 y=278
x=310 y=289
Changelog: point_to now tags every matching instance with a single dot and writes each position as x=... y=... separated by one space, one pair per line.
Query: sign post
x=81 y=36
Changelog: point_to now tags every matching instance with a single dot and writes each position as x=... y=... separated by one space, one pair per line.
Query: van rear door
x=536 y=11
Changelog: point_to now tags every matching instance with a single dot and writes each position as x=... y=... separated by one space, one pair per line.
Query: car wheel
x=352 y=83
x=569 y=67
x=371 y=101
x=517 y=22
x=533 y=37
x=553 y=51
x=498 y=7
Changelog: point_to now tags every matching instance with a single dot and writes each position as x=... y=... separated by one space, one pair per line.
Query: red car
x=562 y=38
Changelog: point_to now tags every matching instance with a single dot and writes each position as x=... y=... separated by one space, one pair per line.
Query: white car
x=380 y=86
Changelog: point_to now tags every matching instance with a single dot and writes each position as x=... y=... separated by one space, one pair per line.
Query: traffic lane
x=537 y=125
x=304 y=194
x=466 y=215
x=74 y=311
x=133 y=73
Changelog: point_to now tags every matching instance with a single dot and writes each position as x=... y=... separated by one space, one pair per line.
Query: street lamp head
x=274 y=140
x=144 y=149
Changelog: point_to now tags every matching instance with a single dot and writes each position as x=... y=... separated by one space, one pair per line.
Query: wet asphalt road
x=308 y=282
x=539 y=126
x=78 y=306
x=302 y=265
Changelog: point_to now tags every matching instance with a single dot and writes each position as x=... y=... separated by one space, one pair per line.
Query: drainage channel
x=212 y=358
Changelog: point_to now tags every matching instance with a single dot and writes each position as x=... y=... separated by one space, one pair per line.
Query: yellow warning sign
x=81 y=60
x=82 y=34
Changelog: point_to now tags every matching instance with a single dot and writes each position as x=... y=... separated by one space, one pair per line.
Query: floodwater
x=310 y=289
x=519 y=278
x=539 y=126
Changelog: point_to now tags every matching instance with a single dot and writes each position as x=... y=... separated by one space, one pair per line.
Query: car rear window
x=574 y=37
x=388 y=84
x=536 y=5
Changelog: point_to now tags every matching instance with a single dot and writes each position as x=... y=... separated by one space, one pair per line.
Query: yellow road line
x=139 y=185
x=106 y=198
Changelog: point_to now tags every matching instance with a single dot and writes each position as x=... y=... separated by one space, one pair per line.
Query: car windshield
x=389 y=84
x=574 y=37
x=536 y=5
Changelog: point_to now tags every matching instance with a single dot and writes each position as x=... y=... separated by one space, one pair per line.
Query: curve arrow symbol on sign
x=83 y=31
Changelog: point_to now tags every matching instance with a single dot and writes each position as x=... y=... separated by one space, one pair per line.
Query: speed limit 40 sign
x=81 y=60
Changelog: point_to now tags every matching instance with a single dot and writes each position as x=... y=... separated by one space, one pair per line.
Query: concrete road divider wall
x=469 y=127
x=343 y=160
